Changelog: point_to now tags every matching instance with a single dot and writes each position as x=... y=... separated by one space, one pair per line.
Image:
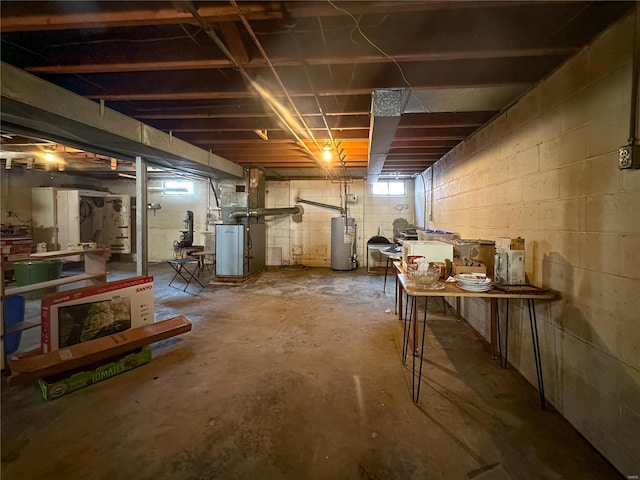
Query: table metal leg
x=386 y=270
x=174 y=275
x=494 y=326
x=415 y=389
x=400 y=293
x=503 y=359
x=533 y=322
x=395 y=303
x=405 y=333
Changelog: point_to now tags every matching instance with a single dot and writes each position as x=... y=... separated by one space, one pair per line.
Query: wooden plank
x=99 y=349
x=54 y=283
x=64 y=253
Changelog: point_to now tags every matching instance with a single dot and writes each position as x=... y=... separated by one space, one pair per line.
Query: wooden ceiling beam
x=184 y=116
x=202 y=64
x=149 y=13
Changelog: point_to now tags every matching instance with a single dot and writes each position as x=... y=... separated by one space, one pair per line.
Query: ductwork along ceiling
x=387 y=87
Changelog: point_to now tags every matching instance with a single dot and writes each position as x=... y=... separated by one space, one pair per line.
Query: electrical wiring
x=128 y=40
x=368 y=40
x=371 y=43
x=86 y=210
x=22 y=220
x=47 y=58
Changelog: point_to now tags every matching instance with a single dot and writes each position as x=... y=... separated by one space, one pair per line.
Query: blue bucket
x=13 y=315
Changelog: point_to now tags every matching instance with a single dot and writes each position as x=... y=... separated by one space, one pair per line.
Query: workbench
x=452 y=290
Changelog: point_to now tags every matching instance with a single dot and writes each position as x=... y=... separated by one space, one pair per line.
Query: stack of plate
x=473 y=283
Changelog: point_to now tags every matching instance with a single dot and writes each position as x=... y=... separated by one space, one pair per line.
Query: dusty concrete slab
x=295 y=374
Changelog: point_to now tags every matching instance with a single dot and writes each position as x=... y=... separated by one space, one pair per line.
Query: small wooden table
x=452 y=290
x=202 y=260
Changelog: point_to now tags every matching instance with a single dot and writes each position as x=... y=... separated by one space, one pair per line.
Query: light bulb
x=326 y=154
x=49 y=157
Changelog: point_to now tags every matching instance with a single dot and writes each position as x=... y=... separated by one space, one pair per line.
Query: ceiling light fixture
x=326 y=153
x=49 y=157
x=263 y=134
x=114 y=163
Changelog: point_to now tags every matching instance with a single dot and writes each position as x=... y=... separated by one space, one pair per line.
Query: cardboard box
x=433 y=251
x=87 y=353
x=462 y=269
x=58 y=385
x=16 y=247
x=517 y=243
x=508 y=243
x=88 y=313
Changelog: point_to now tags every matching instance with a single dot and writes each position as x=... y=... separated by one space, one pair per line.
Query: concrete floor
x=295 y=374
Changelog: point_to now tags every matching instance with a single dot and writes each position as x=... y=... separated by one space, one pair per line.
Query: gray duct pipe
x=342 y=211
x=263 y=212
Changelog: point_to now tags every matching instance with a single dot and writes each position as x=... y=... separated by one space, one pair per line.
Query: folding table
x=186 y=268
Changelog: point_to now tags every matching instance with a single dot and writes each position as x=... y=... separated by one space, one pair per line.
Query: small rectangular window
x=389 y=188
x=178 y=187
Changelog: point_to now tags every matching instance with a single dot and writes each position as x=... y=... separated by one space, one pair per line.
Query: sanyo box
x=432 y=250
x=88 y=313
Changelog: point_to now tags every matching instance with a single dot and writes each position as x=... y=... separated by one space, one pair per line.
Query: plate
x=475 y=288
x=472 y=281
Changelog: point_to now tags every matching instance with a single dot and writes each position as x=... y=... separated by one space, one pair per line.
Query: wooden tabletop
x=451 y=289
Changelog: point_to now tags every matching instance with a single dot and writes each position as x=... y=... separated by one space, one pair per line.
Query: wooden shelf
x=53 y=283
x=64 y=253
x=26 y=325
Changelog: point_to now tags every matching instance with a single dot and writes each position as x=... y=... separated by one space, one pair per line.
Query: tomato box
x=61 y=384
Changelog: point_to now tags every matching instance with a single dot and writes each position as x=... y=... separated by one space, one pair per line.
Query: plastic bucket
x=13 y=315
x=28 y=273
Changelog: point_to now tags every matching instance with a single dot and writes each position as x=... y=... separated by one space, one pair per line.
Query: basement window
x=389 y=188
x=177 y=187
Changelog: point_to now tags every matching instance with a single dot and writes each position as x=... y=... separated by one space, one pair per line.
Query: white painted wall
x=309 y=242
x=165 y=226
x=547 y=170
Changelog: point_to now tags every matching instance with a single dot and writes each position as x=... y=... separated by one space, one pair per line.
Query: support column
x=142 y=246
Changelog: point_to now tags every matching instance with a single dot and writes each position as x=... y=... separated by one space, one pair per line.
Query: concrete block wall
x=546 y=170
x=309 y=242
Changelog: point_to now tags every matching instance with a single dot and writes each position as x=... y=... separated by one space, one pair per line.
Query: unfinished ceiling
x=275 y=84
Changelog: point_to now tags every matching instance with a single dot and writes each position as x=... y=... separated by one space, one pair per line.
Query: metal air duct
x=263 y=212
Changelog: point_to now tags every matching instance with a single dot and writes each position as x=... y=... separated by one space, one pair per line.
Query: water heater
x=343 y=243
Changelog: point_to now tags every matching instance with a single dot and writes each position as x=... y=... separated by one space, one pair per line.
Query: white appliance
x=509 y=267
x=63 y=216
x=119 y=223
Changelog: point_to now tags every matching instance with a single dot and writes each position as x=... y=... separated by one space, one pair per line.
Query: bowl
x=425 y=278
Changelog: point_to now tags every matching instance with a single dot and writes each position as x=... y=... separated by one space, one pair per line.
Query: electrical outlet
x=629 y=157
